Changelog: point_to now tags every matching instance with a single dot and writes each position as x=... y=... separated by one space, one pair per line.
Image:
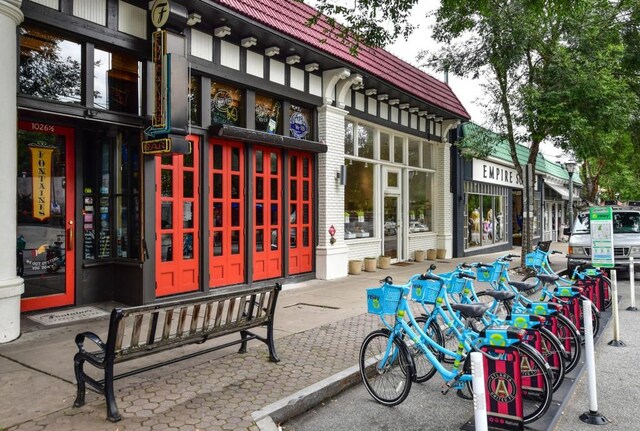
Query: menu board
x=88 y=229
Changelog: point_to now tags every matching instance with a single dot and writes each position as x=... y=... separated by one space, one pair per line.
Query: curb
x=268 y=418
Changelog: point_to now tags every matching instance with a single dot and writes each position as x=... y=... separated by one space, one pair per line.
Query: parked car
x=626 y=237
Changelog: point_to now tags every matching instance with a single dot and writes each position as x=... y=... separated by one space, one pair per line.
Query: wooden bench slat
x=219 y=314
x=168 y=320
x=181 y=321
x=153 y=325
x=207 y=316
x=137 y=327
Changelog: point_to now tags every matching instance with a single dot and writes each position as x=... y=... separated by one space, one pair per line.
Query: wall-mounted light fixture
x=413 y=109
x=383 y=96
x=248 y=42
x=222 y=31
x=193 y=19
x=370 y=91
x=394 y=101
x=341 y=175
x=403 y=105
x=311 y=67
x=422 y=113
x=293 y=59
x=271 y=51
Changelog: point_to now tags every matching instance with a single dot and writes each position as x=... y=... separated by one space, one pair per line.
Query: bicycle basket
x=535 y=258
x=484 y=274
x=383 y=300
x=544 y=246
x=457 y=285
x=426 y=291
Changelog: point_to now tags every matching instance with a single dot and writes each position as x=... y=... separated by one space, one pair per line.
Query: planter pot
x=441 y=253
x=370 y=264
x=419 y=255
x=431 y=254
x=384 y=262
x=355 y=267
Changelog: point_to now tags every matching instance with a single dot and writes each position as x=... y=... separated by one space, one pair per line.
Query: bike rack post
x=614 y=311
x=592 y=416
x=632 y=285
x=479 y=402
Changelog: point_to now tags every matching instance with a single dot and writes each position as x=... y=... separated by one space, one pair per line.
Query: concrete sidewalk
x=319 y=328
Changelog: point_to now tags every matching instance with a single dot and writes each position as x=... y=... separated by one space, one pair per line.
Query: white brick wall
x=444 y=204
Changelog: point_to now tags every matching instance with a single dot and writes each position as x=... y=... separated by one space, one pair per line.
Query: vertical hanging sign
x=41 y=176
x=601 y=221
x=160 y=82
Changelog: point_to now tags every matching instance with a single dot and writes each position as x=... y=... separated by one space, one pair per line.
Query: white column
x=443 y=203
x=11 y=287
x=331 y=259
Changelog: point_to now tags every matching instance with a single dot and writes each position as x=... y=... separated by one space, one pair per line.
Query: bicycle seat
x=547 y=278
x=501 y=295
x=521 y=286
x=471 y=310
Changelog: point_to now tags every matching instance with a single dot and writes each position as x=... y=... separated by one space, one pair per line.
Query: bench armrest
x=92 y=337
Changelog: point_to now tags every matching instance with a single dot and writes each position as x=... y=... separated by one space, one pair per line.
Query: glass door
x=45 y=215
x=392 y=227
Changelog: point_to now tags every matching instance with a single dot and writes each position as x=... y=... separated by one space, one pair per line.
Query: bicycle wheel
x=607 y=291
x=423 y=366
x=501 y=309
x=388 y=383
x=555 y=355
x=570 y=339
x=537 y=382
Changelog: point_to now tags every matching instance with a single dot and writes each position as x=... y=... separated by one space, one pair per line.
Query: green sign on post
x=601 y=221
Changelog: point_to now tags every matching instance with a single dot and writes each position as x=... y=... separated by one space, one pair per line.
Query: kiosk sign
x=601 y=221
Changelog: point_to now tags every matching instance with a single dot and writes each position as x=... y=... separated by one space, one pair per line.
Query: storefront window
x=226 y=104
x=195 y=103
x=348 y=138
x=365 y=141
x=485 y=214
x=358 y=200
x=398 y=149
x=117 y=83
x=420 y=196
x=426 y=156
x=50 y=65
x=385 y=146
x=268 y=114
x=300 y=122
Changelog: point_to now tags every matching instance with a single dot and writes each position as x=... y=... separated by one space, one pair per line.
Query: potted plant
x=412 y=215
x=384 y=262
x=441 y=253
x=419 y=255
x=370 y=264
x=346 y=217
x=355 y=266
x=360 y=214
x=431 y=254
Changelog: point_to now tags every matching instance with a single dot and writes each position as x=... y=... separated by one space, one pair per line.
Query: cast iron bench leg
x=112 y=408
x=273 y=356
x=78 y=368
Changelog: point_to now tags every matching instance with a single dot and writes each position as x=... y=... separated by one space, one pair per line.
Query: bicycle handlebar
x=466 y=274
x=388 y=280
x=430 y=276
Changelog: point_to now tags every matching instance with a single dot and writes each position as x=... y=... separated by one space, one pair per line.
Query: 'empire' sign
x=487 y=172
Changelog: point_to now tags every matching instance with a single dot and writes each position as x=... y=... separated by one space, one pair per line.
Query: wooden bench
x=135 y=332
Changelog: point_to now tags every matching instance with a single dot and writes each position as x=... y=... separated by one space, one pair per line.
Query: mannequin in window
x=474 y=224
x=487 y=225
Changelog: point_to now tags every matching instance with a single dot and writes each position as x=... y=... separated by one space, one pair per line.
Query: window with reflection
x=414 y=153
x=117 y=83
x=50 y=65
x=226 y=104
x=385 y=146
x=365 y=141
x=300 y=122
x=195 y=102
x=348 y=138
x=358 y=200
x=485 y=214
x=420 y=202
x=268 y=114
x=398 y=149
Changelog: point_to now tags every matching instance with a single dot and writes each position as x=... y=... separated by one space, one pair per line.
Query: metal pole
x=571 y=200
x=614 y=309
x=632 y=285
x=592 y=416
x=479 y=401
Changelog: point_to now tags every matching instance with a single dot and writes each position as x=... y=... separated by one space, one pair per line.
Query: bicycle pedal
x=462 y=395
x=445 y=388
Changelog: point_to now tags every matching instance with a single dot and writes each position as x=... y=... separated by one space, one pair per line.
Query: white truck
x=626 y=238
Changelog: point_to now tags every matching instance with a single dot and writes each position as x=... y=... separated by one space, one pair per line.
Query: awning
x=562 y=191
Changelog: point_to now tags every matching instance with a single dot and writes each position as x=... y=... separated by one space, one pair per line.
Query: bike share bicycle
x=388 y=356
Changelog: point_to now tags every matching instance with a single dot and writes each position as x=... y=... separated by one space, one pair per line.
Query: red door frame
x=226 y=213
x=267 y=213
x=180 y=274
x=300 y=212
x=67 y=298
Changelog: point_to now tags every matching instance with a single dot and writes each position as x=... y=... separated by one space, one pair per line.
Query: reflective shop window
x=300 y=122
x=50 y=65
x=385 y=146
x=398 y=149
x=117 y=83
x=358 y=200
x=348 y=138
x=195 y=102
x=414 y=153
x=485 y=220
x=226 y=104
x=268 y=113
x=365 y=141
x=420 y=198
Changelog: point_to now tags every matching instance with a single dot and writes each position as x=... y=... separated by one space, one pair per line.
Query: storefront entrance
x=45 y=215
x=300 y=212
x=392 y=226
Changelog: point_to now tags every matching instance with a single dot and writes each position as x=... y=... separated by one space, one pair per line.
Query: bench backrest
x=134 y=331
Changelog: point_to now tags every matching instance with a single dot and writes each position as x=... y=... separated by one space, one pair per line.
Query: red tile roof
x=289 y=17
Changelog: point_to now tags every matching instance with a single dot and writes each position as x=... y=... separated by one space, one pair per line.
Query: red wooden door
x=267 y=213
x=226 y=214
x=300 y=212
x=45 y=215
x=177 y=221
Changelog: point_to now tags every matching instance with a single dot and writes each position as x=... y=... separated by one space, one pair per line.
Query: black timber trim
x=255 y=136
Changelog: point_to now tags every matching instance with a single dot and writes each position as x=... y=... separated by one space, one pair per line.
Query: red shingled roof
x=289 y=17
